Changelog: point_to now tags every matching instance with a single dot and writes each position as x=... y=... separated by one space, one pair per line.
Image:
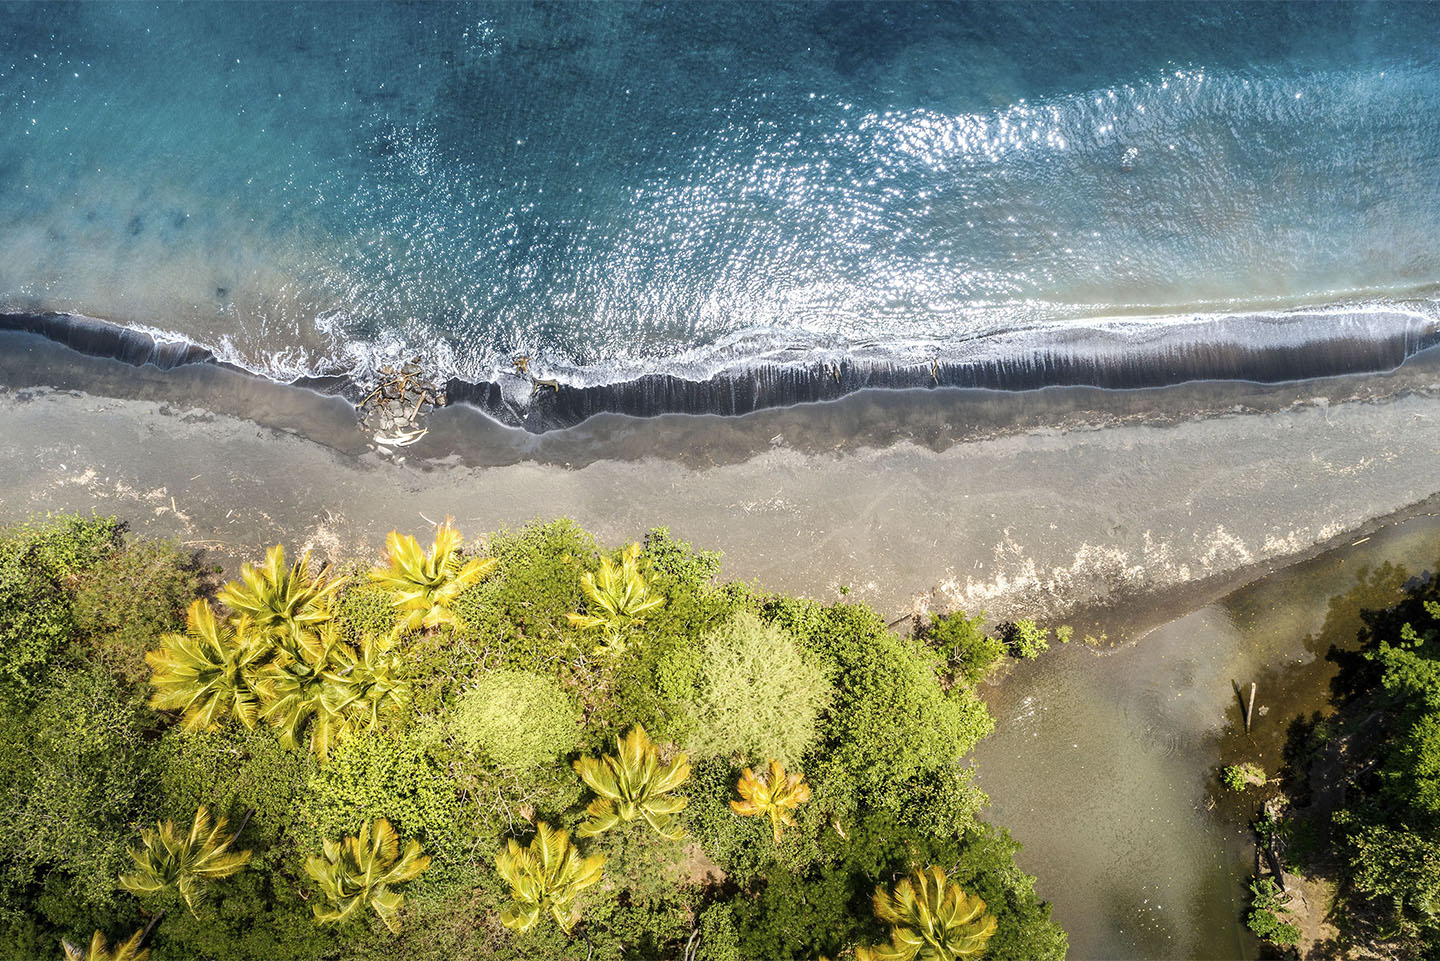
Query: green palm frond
x=931 y=919
x=424 y=585
x=186 y=862
x=633 y=784
x=546 y=877
x=277 y=597
x=777 y=795
x=209 y=672
x=363 y=870
x=128 y=950
x=619 y=596
x=292 y=684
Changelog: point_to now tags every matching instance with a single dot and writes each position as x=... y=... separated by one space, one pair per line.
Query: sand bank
x=1024 y=503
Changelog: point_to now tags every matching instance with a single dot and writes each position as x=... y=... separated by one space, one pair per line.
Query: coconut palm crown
x=127 y=950
x=186 y=862
x=363 y=870
x=632 y=783
x=276 y=597
x=547 y=876
x=776 y=794
x=209 y=672
x=619 y=596
x=424 y=585
x=930 y=919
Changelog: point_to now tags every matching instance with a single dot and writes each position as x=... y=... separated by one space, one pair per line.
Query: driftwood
x=393 y=407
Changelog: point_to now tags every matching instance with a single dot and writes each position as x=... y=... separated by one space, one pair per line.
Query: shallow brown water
x=1104 y=765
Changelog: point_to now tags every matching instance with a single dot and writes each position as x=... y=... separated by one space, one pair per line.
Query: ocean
x=732 y=205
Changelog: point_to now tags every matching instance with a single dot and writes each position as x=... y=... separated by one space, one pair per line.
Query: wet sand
x=1025 y=504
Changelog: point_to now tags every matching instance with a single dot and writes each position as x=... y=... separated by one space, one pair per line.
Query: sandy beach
x=1026 y=504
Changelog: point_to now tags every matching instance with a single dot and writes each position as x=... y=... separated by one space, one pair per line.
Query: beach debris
x=537 y=384
x=392 y=409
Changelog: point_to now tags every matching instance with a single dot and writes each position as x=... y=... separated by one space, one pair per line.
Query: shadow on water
x=1106 y=767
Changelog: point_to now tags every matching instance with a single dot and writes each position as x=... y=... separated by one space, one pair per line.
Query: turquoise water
x=617 y=189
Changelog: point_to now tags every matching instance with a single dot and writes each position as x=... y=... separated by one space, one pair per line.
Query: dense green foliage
x=503 y=692
x=1267 y=901
x=1371 y=776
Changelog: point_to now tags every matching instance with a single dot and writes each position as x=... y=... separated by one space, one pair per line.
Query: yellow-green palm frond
x=363 y=870
x=276 y=596
x=776 y=795
x=424 y=585
x=930 y=918
x=619 y=595
x=209 y=672
x=127 y=950
x=292 y=684
x=186 y=862
x=631 y=784
x=545 y=877
x=357 y=691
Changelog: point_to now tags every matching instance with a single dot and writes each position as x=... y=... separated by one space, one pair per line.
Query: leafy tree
x=632 y=784
x=776 y=795
x=130 y=597
x=1025 y=638
x=278 y=598
x=425 y=585
x=362 y=870
x=96 y=950
x=520 y=719
x=619 y=596
x=545 y=877
x=1267 y=900
x=760 y=694
x=930 y=919
x=187 y=863
x=209 y=672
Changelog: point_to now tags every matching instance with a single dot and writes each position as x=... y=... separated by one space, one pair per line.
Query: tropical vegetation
x=482 y=781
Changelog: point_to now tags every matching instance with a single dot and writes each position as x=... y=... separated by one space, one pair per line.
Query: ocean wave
x=776 y=368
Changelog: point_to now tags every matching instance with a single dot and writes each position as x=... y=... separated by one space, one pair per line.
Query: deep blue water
x=622 y=188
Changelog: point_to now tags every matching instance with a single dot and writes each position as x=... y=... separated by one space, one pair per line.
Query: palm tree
x=275 y=596
x=546 y=876
x=208 y=672
x=128 y=950
x=776 y=794
x=356 y=690
x=186 y=862
x=930 y=919
x=619 y=596
x=292 y=684
x=423 y=586
x=632 y=784
x=361 y=870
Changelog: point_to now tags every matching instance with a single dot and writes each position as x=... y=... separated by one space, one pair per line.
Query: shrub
x=69 y=807
x=1267 y=900
x=1238 y=777
x=130 y=597
x=760 y=695
x=39 y=564
x=1024 y=638
x=962 y=642
x=520 y=720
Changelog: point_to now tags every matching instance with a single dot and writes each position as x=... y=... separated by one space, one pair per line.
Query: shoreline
x=1016 y=503
x=1271 y=347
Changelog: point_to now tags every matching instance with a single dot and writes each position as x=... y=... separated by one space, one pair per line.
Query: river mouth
x=1143 y=853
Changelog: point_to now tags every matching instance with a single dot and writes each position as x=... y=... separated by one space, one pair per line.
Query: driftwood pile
x=392 y=409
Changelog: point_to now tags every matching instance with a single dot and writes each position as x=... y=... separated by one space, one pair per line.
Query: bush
x=760 y=695
x=520 y=720
x=1267 y=899
x=1238 y=777
x=962 y=642
x=1025 y=639
x=69 y=803
x=129 y=598
x=39 y=564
